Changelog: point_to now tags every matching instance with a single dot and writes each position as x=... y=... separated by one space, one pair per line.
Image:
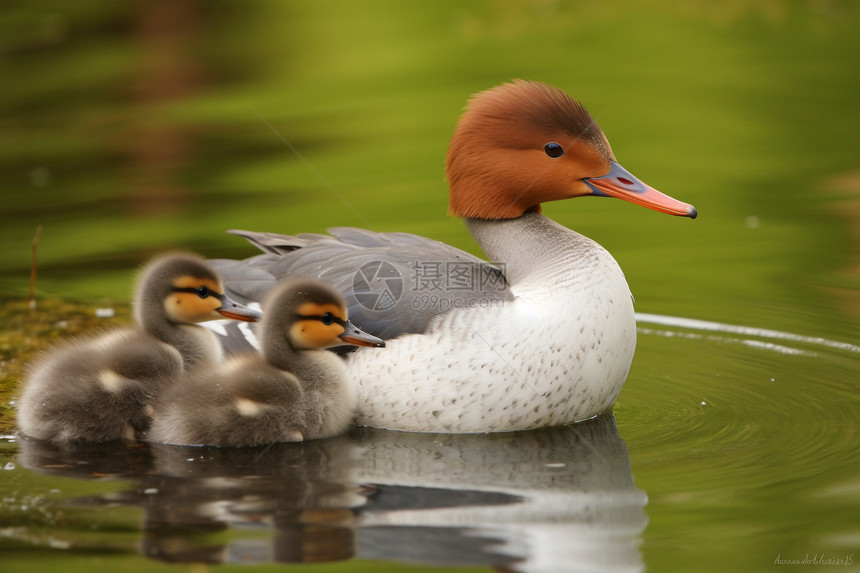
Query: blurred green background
x=127 y=128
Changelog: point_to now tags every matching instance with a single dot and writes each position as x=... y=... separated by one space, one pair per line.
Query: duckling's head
x=183 y=288
x=523 y=143
x=310 y=315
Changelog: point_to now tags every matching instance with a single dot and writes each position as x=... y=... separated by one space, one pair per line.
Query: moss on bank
x=25 y=331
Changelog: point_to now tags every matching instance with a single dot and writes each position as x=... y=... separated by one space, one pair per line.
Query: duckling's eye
x=202 y=292
x=553 y=149
x=327 y=318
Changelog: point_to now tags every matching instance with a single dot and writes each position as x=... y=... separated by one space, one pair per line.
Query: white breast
x=558 y=353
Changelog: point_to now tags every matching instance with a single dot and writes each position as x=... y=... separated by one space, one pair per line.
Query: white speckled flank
x=558 y=353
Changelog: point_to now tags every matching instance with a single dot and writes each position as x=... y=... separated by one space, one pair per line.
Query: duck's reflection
x=549 y=500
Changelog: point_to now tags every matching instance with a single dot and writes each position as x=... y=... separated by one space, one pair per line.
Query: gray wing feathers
x=360 y=263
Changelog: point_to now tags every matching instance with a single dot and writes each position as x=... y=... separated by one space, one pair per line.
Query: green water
x=131 y=127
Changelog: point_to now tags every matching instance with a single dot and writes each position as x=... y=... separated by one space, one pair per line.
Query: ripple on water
x=709 y=403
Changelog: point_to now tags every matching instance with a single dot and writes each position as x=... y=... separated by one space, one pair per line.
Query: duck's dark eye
x=327 y=318
x=202 y=292
x=553 y=149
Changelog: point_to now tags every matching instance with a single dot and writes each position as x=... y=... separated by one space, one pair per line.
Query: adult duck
x=543 y=336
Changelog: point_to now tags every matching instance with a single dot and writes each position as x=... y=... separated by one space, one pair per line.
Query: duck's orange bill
x=621 y=184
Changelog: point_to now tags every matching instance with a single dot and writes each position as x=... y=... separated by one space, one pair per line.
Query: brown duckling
x=294 y=391
x=99 y=388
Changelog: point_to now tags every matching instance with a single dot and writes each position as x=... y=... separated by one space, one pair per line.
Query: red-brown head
x=523 y=143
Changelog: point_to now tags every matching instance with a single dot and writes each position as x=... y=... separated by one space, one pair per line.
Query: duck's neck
x=534 y=248
x=304 y=364
x=196 y=344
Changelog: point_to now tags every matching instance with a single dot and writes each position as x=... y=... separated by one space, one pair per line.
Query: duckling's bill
x=231 y=309
x=354 y=335
x=622 y=184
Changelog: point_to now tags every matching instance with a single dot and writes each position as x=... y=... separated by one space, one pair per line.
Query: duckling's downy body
x=98 y=388
x=543 y=336
x=294 y=391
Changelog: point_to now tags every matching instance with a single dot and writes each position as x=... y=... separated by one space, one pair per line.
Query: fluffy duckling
x=99 y=388
x=294 y=391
